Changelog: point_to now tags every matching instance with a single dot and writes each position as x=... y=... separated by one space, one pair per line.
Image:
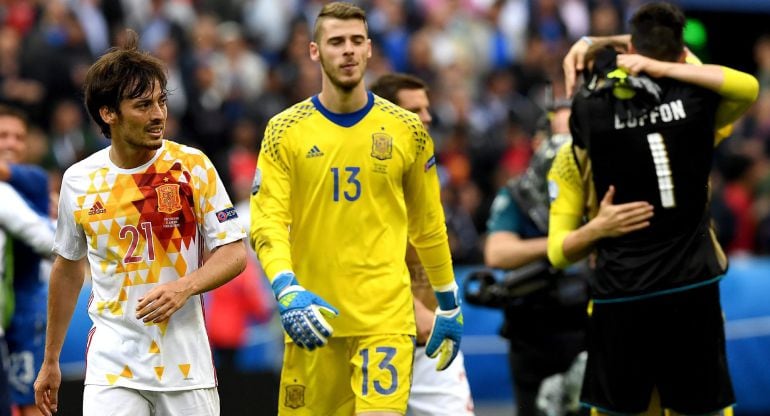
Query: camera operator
x=544 y=309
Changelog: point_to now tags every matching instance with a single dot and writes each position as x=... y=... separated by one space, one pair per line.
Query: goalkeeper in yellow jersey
x=344 y=178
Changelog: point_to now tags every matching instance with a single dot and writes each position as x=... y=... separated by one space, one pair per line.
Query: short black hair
x=656 y=31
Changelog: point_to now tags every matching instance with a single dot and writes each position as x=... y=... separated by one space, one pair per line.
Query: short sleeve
x=220 y=219
x=503 y=215
x=70 y=240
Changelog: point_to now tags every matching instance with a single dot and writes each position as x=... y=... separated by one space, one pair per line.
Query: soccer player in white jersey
x=142 y=210
x=18 y=221
x=344 y=178
x=433 y=393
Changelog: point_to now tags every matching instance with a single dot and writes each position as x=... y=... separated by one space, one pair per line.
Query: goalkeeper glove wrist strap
x=447 y=297
x=282 y=281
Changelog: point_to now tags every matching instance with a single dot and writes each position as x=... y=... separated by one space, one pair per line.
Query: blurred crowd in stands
x=235 y=63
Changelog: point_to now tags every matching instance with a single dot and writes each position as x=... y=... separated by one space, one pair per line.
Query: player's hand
x=634 y=64
x=616 y=220
x=162 y=301
x=47 y=388
x=444 y=339
x=573 y=64
x=303 y=313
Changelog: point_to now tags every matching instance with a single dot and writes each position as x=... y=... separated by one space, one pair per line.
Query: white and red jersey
x=140 y=228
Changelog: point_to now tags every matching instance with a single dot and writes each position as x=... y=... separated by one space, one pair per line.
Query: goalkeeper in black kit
x=645 y=123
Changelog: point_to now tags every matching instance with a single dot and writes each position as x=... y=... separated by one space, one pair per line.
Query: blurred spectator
x=268 y=24
x=230 y=309
x=737 y=192
x=239 y=73
x=71 y=138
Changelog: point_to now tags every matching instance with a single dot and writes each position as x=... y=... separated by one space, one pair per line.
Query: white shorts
x=439 y=393
x=121 y=401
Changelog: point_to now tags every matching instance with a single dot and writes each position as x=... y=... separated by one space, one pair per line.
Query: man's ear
x=107 y=115
x=315 y=53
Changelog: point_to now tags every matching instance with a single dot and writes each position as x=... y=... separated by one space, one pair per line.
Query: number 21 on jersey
x=132 y=233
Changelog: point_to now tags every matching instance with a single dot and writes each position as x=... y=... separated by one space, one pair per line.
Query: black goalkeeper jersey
x=662 y=156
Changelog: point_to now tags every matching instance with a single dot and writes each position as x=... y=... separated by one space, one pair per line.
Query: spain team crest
x=169 y=200
x=295 y=396
x=382 y=146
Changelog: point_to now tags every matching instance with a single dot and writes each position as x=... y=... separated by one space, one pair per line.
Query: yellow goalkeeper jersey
x=335 y=198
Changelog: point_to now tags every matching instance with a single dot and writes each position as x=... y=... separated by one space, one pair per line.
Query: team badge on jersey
x=295 y=396
x=382 y=146
x=169 y=200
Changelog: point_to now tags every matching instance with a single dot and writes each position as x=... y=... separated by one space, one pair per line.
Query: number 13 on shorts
x=382 y=371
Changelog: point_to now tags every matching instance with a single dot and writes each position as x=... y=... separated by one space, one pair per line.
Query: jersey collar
x=345 y=119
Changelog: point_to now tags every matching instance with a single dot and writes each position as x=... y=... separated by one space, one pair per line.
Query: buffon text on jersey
x=665 y=113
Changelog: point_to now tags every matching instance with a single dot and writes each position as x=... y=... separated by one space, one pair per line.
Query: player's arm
x=424 y=320
x=567 y=208
x=738 y=89
x=568 y=240
x=23 y=223
x=581 y=53
x=269 y=204
x=303 y=313
x=428 y=234
x=31 y=182
x=66 y=281
x=225 y=262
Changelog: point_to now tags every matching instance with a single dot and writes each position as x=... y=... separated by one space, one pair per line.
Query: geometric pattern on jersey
x=144 y=227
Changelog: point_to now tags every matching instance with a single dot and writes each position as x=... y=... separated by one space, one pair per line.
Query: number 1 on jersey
x=662 y=169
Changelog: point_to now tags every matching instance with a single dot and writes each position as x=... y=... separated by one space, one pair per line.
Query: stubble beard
x=346 y=85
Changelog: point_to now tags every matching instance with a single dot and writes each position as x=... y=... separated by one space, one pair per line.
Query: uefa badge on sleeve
x=553 y=190
x=257 y=183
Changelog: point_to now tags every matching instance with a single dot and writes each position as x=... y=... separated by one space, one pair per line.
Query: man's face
x=417 y=102
x=13 y=139
x=343 y=51
x=141 y=121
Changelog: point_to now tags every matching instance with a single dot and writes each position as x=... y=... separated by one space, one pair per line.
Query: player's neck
x=343 y=101
x=127 y=156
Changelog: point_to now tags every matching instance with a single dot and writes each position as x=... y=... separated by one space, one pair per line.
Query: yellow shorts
x=349 y=375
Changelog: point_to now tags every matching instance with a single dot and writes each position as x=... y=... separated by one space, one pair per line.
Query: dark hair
x=338 y=10
x=388 y=86
x=10 y=111
x=656 y=31
x=124 y=72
